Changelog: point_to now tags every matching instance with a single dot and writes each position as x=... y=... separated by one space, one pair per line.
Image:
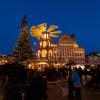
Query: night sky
x=79 y=17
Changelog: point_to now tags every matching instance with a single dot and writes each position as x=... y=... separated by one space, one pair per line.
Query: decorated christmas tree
x=23 y=49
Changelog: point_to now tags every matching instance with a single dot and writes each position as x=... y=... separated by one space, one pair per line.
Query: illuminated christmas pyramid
x=45 y=37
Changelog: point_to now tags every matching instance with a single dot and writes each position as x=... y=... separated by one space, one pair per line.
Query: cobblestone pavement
x=55 y=92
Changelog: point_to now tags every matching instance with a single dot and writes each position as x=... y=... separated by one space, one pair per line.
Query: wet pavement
x=58 y=91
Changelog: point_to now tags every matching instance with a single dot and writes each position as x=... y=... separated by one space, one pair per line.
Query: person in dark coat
x=76 y=84
x=12 y=91
x=70 y=85
x=45 y=96
x=37 y=89
x=29 y=91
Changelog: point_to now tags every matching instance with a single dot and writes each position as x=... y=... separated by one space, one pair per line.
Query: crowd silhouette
x=20 y=83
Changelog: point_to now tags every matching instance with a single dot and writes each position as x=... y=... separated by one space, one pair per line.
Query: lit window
x=44 y=43
x=44 y=53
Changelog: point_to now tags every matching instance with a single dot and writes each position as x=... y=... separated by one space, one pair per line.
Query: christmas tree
x=23 y=49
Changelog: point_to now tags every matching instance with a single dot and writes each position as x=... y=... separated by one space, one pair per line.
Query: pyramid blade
x=35 y=32
x=42 y=27
x=55 y=32
x=51 y=28
x=53 y=36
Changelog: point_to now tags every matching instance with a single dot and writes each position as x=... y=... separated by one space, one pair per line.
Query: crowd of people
x=75 y=81
x=20 y=83
x=94 y=83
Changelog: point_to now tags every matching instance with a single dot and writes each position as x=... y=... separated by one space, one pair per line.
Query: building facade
x=93 y=58
x=67 y=50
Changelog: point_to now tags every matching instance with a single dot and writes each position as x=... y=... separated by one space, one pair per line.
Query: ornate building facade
x=67 y=50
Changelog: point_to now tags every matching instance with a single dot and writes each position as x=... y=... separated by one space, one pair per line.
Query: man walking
x=76 y=84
